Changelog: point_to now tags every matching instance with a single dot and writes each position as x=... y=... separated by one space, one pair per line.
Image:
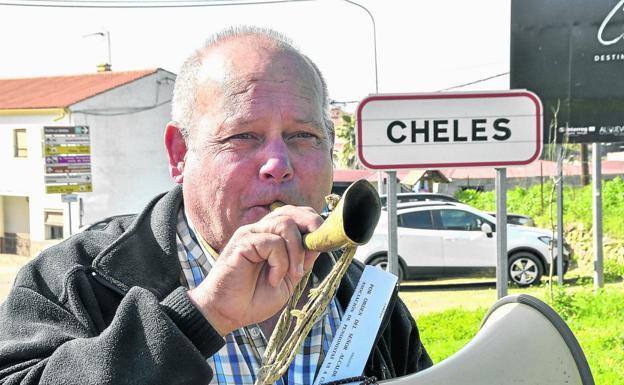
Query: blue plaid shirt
x=240 y=359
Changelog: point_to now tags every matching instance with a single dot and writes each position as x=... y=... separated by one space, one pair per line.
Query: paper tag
x=360 y=323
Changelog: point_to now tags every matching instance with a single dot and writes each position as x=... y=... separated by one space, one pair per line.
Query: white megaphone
x=521 y=341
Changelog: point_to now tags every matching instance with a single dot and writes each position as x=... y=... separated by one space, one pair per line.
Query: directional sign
x=56 y=140
x=68 y=159
x=449 y=130
x=68 y=168
x=71 y=130
x=66 y=150
x=69 y=188
x=67 y=178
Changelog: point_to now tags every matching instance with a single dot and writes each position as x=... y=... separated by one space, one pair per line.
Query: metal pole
x=393 y=259
x=110 y=60
x=501 y=233
x=597 y=227
x=70 y=217
x=560 y=214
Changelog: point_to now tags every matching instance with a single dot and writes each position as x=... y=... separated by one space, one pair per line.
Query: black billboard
x=571 y=54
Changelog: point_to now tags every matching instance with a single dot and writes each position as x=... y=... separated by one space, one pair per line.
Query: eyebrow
x=247 y=122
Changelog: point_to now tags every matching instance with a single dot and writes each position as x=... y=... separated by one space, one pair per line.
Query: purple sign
x=68 y=159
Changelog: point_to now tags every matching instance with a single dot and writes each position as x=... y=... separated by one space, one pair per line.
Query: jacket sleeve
x=407 y=335
x=45 y=341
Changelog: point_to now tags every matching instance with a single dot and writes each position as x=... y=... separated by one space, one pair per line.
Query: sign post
x=67 y=151
x=597 y=226
x=430 y=131
x=393 y=256
x=501 y=233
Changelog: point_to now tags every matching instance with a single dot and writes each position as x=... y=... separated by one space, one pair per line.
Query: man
x=189 y=290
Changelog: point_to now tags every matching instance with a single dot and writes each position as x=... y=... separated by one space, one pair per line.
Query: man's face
x=259 y=139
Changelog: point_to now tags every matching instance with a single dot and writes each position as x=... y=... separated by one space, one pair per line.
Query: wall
x=16 y=214
x=129 y=162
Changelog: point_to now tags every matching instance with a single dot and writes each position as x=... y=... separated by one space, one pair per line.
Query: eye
x=304 y=135
x=243 y=136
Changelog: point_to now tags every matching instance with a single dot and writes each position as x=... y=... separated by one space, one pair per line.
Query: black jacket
x=107 y=307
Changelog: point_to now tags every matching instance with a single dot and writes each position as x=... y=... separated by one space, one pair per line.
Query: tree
x=346 y=154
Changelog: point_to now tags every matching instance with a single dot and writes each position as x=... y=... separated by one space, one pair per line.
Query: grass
x=597 y=321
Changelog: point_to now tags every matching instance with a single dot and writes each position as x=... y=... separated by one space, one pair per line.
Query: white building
x=125 y=113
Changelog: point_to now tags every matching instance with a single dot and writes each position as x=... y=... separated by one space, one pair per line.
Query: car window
x=416 y=220
x=460 y=220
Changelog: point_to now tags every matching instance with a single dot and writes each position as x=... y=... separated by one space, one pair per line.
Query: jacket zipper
x=105 y=282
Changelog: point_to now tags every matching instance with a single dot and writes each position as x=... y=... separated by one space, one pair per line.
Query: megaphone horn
x=521 y=341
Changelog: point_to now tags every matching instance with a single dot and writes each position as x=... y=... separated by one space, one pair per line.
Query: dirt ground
x=9 y=266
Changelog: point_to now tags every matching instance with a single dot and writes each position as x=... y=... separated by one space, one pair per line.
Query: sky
x=422 y=45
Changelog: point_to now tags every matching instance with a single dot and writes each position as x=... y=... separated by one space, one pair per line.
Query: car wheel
x=382 y=261
x=525 y=269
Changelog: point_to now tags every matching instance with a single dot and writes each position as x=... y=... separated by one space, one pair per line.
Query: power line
x=474 y=82
x=141 y=4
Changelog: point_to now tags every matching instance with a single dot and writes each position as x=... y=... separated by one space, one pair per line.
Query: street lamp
x=103 y=67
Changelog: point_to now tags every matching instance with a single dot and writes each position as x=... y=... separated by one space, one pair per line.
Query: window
x=460 y=220
x=53 y=224
x=20 y=143
x=416 y=220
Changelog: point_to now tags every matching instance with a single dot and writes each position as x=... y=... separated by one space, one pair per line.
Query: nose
x=276 y=167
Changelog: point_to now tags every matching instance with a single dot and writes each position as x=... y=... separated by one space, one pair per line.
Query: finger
x=306 y=218
x=309 y=259
x=286 y=227
x=270 y=248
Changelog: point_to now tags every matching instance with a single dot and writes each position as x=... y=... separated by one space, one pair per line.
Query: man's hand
x=258 y=269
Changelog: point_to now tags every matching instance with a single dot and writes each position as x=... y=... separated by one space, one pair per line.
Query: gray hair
x=183 y=106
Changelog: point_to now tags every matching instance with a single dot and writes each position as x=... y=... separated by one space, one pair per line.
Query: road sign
x=69 y=198
x=61 y=140
x=67 y=152
x=68 y=159
x=449 y=130
x=69 y=130
x=67 y=178
x=69 y=188
x=68 y=168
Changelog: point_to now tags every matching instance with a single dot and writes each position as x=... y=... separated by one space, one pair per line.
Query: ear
x=176 y=149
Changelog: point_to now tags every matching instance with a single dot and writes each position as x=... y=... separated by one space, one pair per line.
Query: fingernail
x=300 y=269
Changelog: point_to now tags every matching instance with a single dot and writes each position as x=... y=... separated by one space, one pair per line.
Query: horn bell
x=351 y=223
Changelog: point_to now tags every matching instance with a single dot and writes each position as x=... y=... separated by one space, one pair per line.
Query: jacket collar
x=145 y=254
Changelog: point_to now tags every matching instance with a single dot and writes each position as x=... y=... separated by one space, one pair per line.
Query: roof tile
x=61 y=91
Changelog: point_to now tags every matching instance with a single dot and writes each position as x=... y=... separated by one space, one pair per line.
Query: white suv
x=444 y=239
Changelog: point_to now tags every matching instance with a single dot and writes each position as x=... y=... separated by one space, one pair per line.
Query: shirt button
x=255 y=332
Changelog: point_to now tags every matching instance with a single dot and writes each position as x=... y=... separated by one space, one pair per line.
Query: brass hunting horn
x=350 y=223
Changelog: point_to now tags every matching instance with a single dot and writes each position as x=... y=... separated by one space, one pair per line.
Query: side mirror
x=487 y=229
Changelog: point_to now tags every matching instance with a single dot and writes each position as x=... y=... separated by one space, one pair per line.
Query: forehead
x=243 y=78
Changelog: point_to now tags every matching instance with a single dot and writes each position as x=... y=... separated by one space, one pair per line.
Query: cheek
x=316 y=175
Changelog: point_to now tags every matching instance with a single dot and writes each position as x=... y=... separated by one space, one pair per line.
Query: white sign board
x=440 y=130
